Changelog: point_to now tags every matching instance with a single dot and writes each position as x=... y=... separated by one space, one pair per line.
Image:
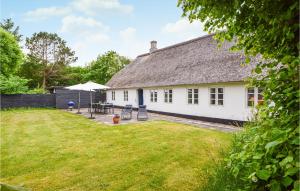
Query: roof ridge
x=177 y=44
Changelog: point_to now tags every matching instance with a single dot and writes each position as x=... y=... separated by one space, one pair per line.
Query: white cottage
x=193 y=79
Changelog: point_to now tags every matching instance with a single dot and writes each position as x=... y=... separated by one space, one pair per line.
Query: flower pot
x=116 y=119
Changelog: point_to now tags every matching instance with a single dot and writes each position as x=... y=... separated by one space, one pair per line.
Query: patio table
x=101 y=107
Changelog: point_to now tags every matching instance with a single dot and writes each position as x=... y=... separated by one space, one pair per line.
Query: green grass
x=55 y=150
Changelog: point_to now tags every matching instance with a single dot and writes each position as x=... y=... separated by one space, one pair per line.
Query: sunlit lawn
x=55 y=150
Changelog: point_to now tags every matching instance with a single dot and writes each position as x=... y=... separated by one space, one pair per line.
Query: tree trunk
x=44 y=81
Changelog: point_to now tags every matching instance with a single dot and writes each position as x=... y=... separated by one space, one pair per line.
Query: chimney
x=153 y=46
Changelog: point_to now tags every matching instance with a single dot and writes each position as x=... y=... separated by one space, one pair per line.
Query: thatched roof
x=197 y=61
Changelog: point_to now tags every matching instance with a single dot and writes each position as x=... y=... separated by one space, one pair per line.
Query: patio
x=107 y=119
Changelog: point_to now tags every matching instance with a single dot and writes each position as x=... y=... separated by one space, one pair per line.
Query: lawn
x=46 y=149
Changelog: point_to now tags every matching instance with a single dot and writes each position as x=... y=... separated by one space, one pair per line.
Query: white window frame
x=217 y=96
x=168 y=95
x=247 y=96
x=256 y=93
x=192 y=90
x=153 y=96
x=113 y=95
x=125 y=95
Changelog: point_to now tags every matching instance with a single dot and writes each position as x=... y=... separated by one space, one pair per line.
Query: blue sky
x=93 y=27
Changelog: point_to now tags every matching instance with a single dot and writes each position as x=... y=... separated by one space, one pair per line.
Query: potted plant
x=116 y=118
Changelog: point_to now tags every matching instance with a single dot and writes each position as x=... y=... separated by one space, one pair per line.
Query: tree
x=265 y=157
x=8 y=25
x=12 y=85
x=31 y=69
x=51 y=52
x=70 y=75
x=105 y=66
x=11 y=54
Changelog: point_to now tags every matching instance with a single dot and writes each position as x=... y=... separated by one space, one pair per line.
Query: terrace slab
x=107 y=119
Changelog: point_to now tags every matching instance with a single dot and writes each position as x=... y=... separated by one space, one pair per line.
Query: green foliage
x=69 y=75
x=49 y=53
x=8 y=25
x=12 y=85
x=105 y=66
x=11 y=55
x=221 y=179
x=31 y=69
x=266 y=155
x=36 y=91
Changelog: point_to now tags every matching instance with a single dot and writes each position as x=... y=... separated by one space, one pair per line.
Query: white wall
x=234 y=107
x=119 y=97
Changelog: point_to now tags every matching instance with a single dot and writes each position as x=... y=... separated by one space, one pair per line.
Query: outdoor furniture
x=126 y=113
x=142 y=114
x=88 y=86
x=94 y=106
x=97 y=107
x=108 y=108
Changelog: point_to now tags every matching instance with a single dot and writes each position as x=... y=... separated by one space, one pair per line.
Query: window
x=168 y=96
x=125 y=95
x=153 y=95
x=260 y=98
x=113 y=95
x=193 y=95
x=250 y=97
x=212 y=96
x=216 y=96
x=220 y=96
x=254 y=96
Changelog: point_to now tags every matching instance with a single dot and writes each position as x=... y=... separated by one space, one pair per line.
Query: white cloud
x=89 y=7
x=184 y=29
x=87 y=35
x=77 y=24
x=130 y=45
x=128 y=33
x=45 y=13
x=92 y=7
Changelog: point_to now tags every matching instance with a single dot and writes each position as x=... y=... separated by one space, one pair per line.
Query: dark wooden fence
x=27 y=100
x=59 y=99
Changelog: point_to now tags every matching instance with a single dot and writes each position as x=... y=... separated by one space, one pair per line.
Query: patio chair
x=126 y=113
x=142 y=114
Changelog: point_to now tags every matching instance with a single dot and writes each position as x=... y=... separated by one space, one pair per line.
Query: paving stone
x=107 y=119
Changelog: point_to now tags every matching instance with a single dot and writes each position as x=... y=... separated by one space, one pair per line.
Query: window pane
x=170 y=91
x=212 y=96
x=250 y=103
x=190 y=101
x=196 y=101
x=195 y=96
x=220 y=96
x=251 y=90
x=250 y=99
x=260 y=99
x=212 y=102
x=170 y=96
x=212 y=90
x=220 y=90
x=166 y=96
x=220 y=102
